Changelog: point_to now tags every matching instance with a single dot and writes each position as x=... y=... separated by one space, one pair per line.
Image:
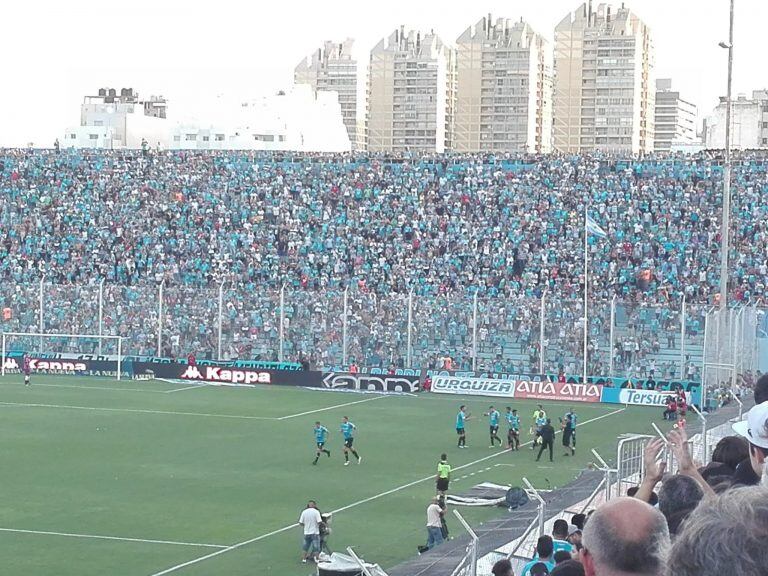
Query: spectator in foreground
x=625 y=536
x=434 y=523
x=578 y=520
x=562 y=556
x=568 y=568
x=755 y=430
x=745 y=473
x=560 y=536
x=678 y=497
x=502 y=568
x=544 y=555
x=724 y=535
x=727 y=455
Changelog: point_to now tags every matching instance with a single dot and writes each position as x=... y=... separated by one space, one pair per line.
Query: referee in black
x=547 y=435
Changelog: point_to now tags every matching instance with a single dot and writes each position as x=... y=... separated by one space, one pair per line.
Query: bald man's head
x=625 y=536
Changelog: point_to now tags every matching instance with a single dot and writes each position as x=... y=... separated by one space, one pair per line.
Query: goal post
x=60 y=352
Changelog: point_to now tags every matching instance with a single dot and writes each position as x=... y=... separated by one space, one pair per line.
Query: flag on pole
x=594 y=228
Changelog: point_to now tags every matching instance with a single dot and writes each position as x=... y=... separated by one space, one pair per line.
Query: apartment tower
x=604 y=86
x=410 y=94
x=332 y=68
x=503 y=88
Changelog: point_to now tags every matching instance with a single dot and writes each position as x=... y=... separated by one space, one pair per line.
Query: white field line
x=37 y=384
x=178 y=567
x=185 y=388
x=137 y=411
x=331 y=407
x=99 y=537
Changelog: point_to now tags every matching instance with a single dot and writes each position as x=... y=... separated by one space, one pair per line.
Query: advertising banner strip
x=530 y=389
x=473 y=386
x=370 y=382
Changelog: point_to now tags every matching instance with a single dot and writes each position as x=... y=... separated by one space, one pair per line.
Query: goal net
x=81 y=354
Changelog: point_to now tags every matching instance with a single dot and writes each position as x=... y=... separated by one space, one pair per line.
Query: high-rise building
x=749 y=123
x=675 y=119
x=604 y=88
x=503 y=88
x=333 y=68
x=410 y=94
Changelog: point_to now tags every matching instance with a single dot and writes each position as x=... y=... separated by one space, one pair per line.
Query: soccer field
x=147 y=478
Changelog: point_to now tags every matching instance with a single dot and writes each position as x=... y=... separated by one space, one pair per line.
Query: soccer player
x=26 y=367
x=443 y=475
x=539 y=420
x=348 y=430
x=321 y=435
x=493 y=423
x=461 y=418
x=568 y=423
x=513 y=435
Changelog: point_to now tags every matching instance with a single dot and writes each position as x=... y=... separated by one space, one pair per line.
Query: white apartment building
x=410 y=94
x=604 y=86
x=112 y=120
x=332 y=68
x=503 y=88
x=749 y=123
x=675 y=119
x=299 y=119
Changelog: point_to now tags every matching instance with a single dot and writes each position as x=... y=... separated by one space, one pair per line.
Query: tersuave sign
x=644 y=397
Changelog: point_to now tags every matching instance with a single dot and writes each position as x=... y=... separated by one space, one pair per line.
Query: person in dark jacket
x=547 y=435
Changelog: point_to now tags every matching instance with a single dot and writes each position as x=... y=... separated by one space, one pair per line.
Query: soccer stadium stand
x=252 y=248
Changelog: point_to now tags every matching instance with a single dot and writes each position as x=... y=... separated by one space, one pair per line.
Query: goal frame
x=42 y=335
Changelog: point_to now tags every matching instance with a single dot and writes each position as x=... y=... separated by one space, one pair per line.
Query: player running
x=321 y=435
x=568 y=424
x=26 y=367
x=539 y=420
x=493 y=423
x=348 y=430
x=513 y=435
x=461 y=418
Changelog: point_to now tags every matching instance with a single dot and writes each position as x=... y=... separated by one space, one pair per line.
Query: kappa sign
x=217 y=374
x=46 y=366
x=380 y=382
x=558 y=391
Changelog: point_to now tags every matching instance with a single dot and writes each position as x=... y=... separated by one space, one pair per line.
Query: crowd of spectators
x=442 y=228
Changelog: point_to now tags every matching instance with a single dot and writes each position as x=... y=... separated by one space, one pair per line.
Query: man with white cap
x=755 y=430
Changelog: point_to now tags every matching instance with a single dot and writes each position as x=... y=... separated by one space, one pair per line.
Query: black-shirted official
x=547 y=439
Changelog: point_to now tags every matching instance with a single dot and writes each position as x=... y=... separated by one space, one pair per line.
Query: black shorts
x=512 y=433
x=320 y=445
x=460 y=431
x=348 y=442
x=442 y=484
x=494 y=430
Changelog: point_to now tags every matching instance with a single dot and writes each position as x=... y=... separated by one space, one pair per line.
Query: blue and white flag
x=594 y=228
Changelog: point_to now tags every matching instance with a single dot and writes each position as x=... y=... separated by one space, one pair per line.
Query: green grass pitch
x=172 y=473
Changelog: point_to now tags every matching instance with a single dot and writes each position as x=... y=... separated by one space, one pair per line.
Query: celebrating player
x=26 y=367
x=568 y=423
x=461 y=418
x=321 y=435
x=513 y=434
x=539 y=420
x=493 y=423
x=348 y=430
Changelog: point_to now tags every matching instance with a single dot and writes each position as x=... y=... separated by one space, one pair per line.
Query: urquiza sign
x=375 y=383
x=473 y=386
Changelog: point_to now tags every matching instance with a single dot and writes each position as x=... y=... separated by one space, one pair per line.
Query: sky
x=53 y=52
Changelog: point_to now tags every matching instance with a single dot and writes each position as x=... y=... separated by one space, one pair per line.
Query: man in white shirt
x=434 y=525
x=310 y=520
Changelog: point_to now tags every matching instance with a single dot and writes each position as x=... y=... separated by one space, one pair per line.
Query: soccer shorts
x=348 y=442
x=320 y=445
x=494 y=430
x=460 y=431
x=442 y=484
x=512 y=434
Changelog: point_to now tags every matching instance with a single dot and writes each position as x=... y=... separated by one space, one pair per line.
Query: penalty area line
x=348 y=506
x=331 y=407
x=118 y=538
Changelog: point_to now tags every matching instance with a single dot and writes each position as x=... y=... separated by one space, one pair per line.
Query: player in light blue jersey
x=321 y=436
x=461 y=418
x=539 y=420
x=513 y=434
x=348 y=430
x=493 y=423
